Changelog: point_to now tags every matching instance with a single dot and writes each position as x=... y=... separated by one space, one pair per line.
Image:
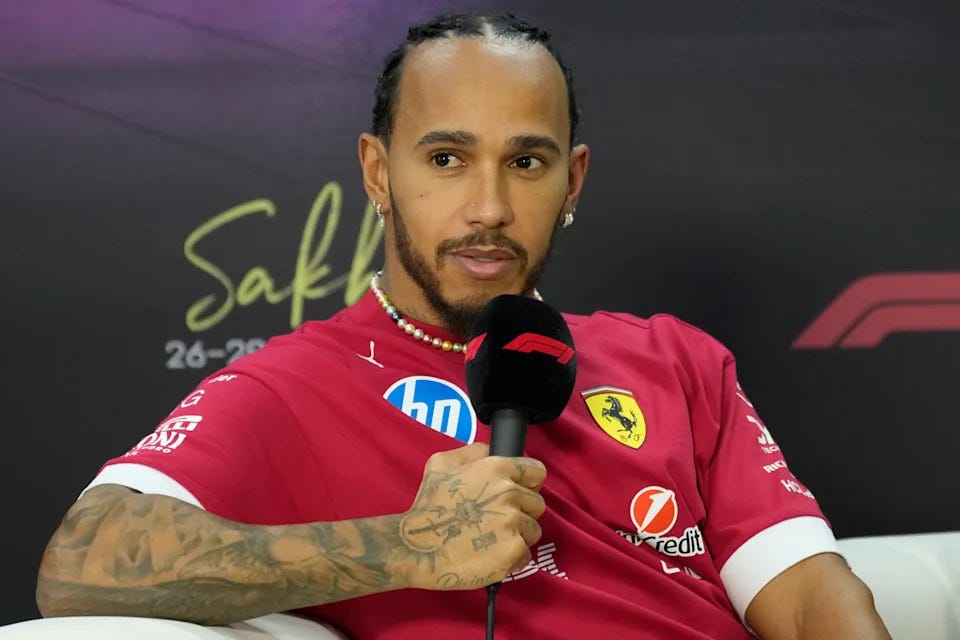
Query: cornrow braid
x=459 y=25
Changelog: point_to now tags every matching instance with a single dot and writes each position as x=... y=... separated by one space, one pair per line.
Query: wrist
x=379 y=545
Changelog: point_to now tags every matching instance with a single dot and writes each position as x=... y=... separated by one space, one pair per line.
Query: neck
x=407 y=325
x=407 y=297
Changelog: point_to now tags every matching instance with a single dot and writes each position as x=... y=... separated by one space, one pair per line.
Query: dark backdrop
x=750 y=161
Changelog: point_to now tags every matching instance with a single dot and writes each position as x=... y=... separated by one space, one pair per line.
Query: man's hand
x=473 y=520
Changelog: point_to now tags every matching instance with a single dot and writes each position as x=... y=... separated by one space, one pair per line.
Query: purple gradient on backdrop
x=240 y=84
x=92 y=32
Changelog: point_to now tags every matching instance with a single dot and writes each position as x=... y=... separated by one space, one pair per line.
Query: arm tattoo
x=123 y=553
x=118 y=552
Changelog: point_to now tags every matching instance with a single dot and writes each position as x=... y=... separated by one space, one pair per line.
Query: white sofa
x=915 y=581
x=277 y=626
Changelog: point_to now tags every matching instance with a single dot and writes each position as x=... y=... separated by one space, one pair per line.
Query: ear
x=579 y=161
x=373 y=164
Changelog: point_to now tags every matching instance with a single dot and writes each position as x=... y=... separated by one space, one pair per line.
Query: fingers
x=528 y=472
x=523 y=561
x=458 y=457
x=529 y=530
x=530 y=502
x=524 y=521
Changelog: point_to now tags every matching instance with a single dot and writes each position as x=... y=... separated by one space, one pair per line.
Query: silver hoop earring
x=568 y=219
x=379 y=214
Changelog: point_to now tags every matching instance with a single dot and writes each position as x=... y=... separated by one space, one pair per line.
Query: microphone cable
x=491 y=603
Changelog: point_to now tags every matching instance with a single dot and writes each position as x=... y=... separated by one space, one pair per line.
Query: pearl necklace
x=408 y=327
x=411 y=329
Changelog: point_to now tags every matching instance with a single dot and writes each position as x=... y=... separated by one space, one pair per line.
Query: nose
x=490 y=205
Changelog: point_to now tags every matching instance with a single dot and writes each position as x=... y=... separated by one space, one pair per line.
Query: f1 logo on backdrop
x=437 y=404
x=873 y=307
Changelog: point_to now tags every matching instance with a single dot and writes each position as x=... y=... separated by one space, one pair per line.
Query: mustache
x=485 y=238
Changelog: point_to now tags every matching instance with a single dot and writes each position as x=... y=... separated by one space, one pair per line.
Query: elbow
x=49 y=599
x=57 y=594
x=47 y=596
x=865 y=594
x=60 y=591
x=61 y=594
x=58 y=598
x=52 y=599
x=61 y=586
x=859 y=597
x=867 y=603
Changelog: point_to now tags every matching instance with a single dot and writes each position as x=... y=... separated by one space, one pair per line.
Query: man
x=285 y=481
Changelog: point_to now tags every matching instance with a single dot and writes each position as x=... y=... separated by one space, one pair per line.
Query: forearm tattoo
x=123 y=553
x=145 y=555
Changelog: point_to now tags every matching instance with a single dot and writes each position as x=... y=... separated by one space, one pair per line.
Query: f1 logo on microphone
x=526 y=343
x=534 y=342
x=470 y=352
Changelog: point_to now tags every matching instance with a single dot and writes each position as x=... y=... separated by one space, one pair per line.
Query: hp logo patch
x=436 y=403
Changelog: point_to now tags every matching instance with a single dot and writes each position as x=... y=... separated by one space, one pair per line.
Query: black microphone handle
x=508 y=431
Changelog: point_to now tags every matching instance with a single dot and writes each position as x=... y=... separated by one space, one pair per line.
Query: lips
x=484 y=263
x=485 y=255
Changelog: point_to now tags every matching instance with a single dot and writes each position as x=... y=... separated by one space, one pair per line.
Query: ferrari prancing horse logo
x=618 y=414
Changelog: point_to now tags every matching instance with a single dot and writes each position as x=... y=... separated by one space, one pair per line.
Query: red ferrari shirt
x=669 y=504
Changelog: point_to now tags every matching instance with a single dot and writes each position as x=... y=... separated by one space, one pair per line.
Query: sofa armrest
x=915 y=580
x=276 y=626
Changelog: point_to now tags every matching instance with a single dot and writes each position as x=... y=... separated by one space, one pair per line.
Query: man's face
x=479 y=170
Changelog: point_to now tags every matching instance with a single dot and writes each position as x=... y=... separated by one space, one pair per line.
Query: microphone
x=520 y=368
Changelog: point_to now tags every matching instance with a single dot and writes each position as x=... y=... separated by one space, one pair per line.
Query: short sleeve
x=761 y=519
x=232 y=447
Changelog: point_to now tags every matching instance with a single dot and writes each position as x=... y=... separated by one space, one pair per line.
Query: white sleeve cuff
x=143 y=479
x=769 y=553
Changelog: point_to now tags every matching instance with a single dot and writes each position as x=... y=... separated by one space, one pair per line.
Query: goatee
x=458 y=316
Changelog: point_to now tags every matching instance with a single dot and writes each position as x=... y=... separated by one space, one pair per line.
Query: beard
x=457 y=316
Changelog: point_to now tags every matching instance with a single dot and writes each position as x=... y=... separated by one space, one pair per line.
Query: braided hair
x=459 y=25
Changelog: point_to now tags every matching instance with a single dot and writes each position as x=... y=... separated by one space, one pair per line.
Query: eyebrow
x=528 y=142
x=523 y=142
x=449 y=137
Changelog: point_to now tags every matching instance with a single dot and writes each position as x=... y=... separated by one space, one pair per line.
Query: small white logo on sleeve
x=779 y=464
x=792 y=486
x=168 y=436
x=193 y=399
x=544 y=562
x=227 y=377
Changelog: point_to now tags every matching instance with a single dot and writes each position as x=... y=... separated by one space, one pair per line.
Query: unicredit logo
x=654 y=510
x=654 y=513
